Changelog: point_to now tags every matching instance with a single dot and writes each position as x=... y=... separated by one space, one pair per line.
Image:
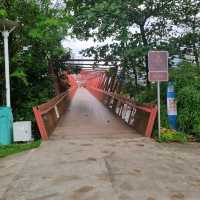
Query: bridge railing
x=48 y=114
x=139 y=116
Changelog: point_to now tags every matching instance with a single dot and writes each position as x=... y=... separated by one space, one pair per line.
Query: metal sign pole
x=7 y=72
x=158 y=102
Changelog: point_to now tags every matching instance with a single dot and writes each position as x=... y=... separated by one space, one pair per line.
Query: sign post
x=158 y=105
x=158 y=72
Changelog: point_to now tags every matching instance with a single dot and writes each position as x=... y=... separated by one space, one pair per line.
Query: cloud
x=78 y=45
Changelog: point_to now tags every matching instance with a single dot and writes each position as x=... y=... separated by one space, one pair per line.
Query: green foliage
x=21 y=75
x=146 y=95
x=2 y=13
x=168 y=135
x=187 y=15
x=74 y=69
x=136 y=27
x=125 y=22
x=187 y=84
x=6 y=150
x=43 y=25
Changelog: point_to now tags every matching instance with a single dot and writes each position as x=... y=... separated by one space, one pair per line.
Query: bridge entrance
x=90 y=111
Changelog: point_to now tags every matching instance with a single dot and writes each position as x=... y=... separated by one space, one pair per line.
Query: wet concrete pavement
x=94 y=156
x=87 y=117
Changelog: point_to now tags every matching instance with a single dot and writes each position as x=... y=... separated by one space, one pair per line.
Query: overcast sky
x=78 y=45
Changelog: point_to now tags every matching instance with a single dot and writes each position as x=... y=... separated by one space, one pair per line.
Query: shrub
x=187 y=85
x=188 y=102
x=168 y=135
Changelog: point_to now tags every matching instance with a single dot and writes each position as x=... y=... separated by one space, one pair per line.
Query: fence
x=139 y=116
x=48 y=114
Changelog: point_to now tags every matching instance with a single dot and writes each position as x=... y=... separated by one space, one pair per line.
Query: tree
x=135 y=26
x=34 y=46
x=187 y=17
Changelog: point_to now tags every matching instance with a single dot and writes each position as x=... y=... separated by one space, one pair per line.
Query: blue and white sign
x=171 y=105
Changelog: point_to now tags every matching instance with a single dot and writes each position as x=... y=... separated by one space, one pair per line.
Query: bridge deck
x=87 y=117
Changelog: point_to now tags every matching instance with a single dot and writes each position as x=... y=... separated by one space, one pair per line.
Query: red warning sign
x=158 y=65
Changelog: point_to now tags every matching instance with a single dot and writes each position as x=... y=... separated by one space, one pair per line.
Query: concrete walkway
x=93 y=156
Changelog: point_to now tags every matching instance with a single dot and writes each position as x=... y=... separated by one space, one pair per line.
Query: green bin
x=6 y=125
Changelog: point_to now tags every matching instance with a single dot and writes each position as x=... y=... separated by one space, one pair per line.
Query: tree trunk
x=145 y=44
x=195 y=50
x=136 y=77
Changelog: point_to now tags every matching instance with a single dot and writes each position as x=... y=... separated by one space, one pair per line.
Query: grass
x=6 y=150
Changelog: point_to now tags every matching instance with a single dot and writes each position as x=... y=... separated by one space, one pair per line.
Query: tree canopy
x=33 y=47
x=135 y=27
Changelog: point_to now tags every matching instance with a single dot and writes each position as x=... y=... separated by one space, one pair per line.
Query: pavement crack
x=109 y=172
